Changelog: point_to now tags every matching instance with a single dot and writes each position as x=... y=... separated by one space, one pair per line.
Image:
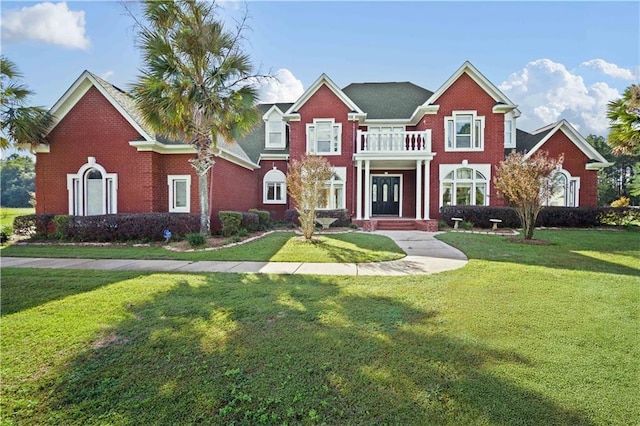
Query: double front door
x=385 y=195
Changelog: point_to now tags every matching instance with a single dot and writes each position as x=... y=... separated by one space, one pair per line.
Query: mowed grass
x=7 y=214
x=350 y=247
x=522 y=335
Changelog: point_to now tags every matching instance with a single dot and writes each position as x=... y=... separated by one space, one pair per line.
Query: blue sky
x=556 y=60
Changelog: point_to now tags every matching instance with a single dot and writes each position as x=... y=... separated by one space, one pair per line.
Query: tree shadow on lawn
x=21 y=292
x=249 y=349
x=565 y=250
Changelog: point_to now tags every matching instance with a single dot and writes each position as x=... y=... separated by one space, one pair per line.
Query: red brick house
x=397 y=149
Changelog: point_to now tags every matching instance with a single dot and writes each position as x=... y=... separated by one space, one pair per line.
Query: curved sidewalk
x=425 y=255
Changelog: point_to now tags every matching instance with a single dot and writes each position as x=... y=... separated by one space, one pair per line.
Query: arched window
x=464 y=186
x=564 y=191
x=92 y=191
x=334 y=189
x=274 y=187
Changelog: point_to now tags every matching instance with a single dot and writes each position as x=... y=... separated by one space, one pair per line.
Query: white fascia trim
x=575 y=137
x=502 y=108
x=421 y=111
x=597 y=166
x=381 y=121
x=292 y=117
x=323 y=79
x=266 y=115
x=273 y=157
x=71 y=97
x=161 y=148
x=233 y=158
x=477 y=76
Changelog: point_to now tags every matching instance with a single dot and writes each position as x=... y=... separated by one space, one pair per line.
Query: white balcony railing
x=396 y=142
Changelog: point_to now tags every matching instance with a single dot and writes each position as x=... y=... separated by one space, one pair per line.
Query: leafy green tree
x=22 y=125
x=17 y=181
x=624 y=116
x=526 y=184
x=615 y=181
x=196 y=85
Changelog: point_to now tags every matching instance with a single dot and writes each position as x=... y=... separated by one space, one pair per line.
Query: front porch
x=393 y=176
x=387 y=223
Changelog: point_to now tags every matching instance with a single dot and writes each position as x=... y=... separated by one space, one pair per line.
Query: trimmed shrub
x=573 y=217
x=250 y=221
x=264 y=217
x=291 y=216
x=61 y=224
x=230 y=222
x=195 y=239
x=5 y=234
x=33 y=225
x=343 y=216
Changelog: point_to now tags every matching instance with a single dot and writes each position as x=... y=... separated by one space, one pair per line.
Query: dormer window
x=464 y=131
x=274 y=134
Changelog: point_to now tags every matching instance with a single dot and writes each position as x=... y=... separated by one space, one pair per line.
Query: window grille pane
x=446 y=194
x=275 y=139
x=180 y=193
x=481 y=193
x=478 y=134
x=449 y=176
x=395 y=193
x=374 y=193
x=338 y=198
x=385 y=193
x=324 y=146
x=451 y=133
x=464 y=173
x=463 y=194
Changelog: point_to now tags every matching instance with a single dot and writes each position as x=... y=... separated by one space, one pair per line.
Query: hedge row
x=251 y=221
x=342 y=215
x=112 y=227
x=575 y=217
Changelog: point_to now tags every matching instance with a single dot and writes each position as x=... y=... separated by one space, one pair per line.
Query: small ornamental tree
x=305 y=184
x=526 y=184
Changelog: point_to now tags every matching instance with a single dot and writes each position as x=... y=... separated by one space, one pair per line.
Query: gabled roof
x=481 y=80
x=393 y=100
x=253 y=143
x=120 y=100
x=324 y=79
x=537 y=139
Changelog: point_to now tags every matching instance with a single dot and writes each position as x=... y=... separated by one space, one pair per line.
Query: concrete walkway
x=425 y=255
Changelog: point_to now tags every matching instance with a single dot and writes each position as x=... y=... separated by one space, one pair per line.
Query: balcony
x=394 y=142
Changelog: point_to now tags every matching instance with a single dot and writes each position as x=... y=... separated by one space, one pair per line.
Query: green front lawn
x=523 y=335
x=7 y=214
x=277 y=247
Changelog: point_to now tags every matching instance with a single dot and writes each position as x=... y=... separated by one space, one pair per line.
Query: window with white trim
x=324 y=137
x=464 y=186
x=275 y=133
x=179 y=193
x=92 y=191
x=464 y=131
x=565 y=190
x=334 y=190
x=509 y=133
x=274 y=187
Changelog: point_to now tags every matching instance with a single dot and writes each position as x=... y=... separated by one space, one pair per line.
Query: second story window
x=464 y=131
x=275 y=134
x=324 y=137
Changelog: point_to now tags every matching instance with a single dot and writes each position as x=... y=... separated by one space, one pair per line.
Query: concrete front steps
x=399 y=224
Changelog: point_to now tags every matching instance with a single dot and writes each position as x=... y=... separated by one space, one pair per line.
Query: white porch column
x=427 y=187
x=419 y=189
x=367 y=190
x=359 y=190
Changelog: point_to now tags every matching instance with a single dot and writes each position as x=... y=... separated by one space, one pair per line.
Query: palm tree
x=21 y=125
x=196 y=84
x=624 y=114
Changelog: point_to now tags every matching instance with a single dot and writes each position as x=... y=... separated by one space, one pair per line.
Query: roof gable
x=572 y=134
x=481 y=80
x=121 y=101
x=292 y=112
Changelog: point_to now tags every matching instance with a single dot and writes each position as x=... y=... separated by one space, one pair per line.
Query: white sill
x=463 y=149
x=274 y=202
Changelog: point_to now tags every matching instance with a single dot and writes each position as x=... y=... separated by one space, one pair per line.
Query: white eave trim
x=267 y=114
x=292 y=112
x=477 y=76
x=77 y=90
x=160 y=148
x=597 y=166
x=575 y=137
x=273 y=157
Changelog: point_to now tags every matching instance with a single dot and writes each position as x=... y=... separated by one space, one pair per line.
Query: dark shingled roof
x=387 y=100
x=526 y=141
x=253 y=143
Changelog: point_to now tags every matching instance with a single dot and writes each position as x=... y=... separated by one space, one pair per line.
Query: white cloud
x=546 y=92
x=285 y=87
x=612 y=70
x=51 y=23
x=107 y=75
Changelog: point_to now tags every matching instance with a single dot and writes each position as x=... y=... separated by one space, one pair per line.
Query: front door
x=385 y=195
